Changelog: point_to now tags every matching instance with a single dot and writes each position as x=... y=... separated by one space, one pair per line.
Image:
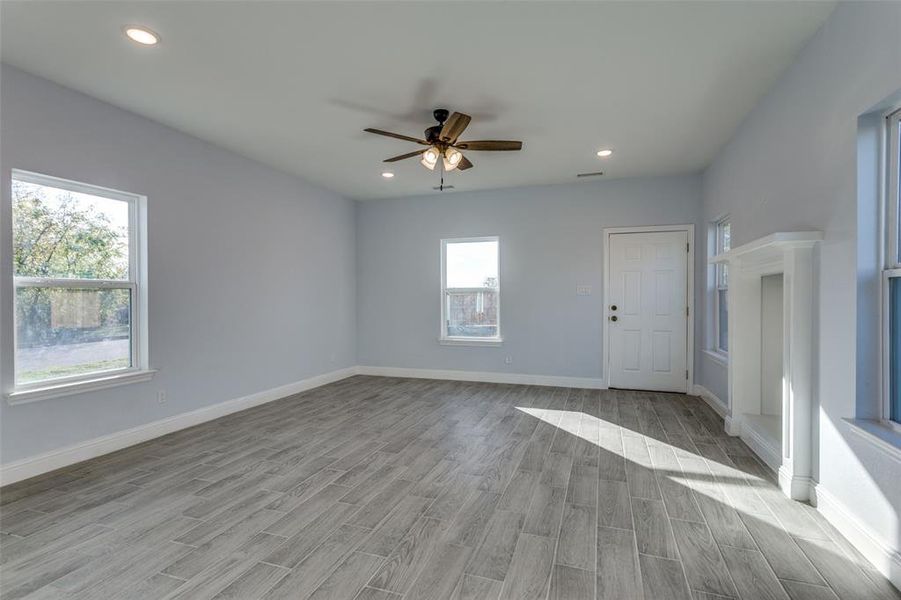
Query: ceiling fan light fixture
x=453 y=156
x=430 y=158
x=448 y=166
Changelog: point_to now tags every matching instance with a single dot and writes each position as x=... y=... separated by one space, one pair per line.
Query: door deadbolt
x=613 y=307
x=613 y=318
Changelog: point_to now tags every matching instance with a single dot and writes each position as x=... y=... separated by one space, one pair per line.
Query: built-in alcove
x=771 y=300
x=762 y=428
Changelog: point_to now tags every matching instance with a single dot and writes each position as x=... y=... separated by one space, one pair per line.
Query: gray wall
x=551 y=242
x=793 y=166
x=252 y=275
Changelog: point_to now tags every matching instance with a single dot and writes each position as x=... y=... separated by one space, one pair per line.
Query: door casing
x=690 y=292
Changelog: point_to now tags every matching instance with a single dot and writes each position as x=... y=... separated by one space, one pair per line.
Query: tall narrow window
x=723 y=244
x=892 y=272
x=470 y=290
x=76 y=277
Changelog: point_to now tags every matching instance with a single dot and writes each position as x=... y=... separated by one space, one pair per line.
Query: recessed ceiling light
x=387 y=174
x=605 y=152
x=142 y=35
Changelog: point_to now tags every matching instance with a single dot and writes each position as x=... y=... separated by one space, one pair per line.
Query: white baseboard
x=762 y=447
x=881 y=554
x=796 y=488
x=884 y=557
x=486 y=376
x=732 y=428
x=69 y=455
x=710 y=398
x=719 y=407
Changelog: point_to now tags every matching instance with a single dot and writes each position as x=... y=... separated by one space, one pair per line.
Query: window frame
x=718 y=282
x=136 y=283
x=891 y=267
x=448 y=340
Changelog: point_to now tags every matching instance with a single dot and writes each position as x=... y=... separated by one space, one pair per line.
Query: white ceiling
x=293 y=84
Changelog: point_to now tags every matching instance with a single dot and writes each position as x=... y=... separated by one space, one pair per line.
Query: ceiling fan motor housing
x=432 y=133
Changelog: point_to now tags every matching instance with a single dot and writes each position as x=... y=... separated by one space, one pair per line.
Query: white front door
x=647 y=311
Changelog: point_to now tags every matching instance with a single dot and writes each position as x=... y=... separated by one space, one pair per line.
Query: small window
x=721 y=318
x=892 y=271
x=470 y=290
x=76 y=275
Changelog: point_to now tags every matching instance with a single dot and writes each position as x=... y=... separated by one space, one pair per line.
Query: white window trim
x=715 y=350
x=92 y=384
x=448 y=340
x=720 y=358
x=891 y=267
x=136 y=283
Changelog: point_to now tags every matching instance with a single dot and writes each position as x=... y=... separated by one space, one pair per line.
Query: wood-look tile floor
x=378 y=488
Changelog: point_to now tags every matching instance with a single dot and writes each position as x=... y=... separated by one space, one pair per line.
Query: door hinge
x=686 y=247
x=686 y=311
x=686 y=374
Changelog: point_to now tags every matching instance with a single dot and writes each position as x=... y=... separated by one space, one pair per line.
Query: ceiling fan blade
x=396 y=135
x=464 y=164
x=454 y=126
x=403 y=156
x=490 y=145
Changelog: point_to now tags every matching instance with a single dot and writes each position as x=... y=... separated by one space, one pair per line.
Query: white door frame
x=690 y=291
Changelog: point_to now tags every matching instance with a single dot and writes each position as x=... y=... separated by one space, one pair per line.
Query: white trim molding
x=471 y=341
x=689 y=230
x=486 y=377
x=79 y=387
x=135 y=283
x=447 y=340
x=720 y=407
x=762 y=447
x=70 y=455
x=879 y=434
x=791 y=255
x=717 y=358
x=885 y=558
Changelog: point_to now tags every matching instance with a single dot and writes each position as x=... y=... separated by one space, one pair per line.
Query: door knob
x=613 y=318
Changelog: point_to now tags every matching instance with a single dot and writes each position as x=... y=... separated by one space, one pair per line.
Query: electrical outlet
x=583 y=290
x=508 y=360
x=161 y=396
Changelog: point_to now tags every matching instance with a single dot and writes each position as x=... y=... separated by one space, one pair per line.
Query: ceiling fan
x=443 y=142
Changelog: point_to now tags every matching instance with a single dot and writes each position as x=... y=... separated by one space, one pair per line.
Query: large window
x=723 y=235
x=77 y=278
x=892 y=272
x=470 y=290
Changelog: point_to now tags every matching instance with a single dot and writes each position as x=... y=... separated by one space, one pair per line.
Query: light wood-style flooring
x=388 y=489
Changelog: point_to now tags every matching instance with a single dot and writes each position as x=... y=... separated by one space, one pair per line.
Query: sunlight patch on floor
x=703 y=475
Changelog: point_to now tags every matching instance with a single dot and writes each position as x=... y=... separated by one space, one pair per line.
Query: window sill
x=79 y=387
x=471 y=341
x=717 y=357
x=879 y=434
